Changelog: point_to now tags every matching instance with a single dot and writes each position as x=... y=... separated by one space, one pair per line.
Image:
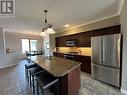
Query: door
x=96 y=43
x=111 y=50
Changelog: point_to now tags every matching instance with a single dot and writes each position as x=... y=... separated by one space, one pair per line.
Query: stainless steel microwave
x=71 y=43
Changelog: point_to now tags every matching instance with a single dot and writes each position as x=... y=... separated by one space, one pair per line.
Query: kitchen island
x=67 y=71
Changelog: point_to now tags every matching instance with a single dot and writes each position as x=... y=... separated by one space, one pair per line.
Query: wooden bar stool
x=47 y=81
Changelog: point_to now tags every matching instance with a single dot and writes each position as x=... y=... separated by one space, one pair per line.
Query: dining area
x=60 y=76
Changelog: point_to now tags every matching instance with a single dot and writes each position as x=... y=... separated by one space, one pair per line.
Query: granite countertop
x=73 y=54
x=58 y=67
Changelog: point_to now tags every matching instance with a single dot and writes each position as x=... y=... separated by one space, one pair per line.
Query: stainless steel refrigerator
x=106 y=58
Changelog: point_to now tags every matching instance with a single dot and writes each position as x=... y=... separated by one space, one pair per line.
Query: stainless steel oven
x=69 y=57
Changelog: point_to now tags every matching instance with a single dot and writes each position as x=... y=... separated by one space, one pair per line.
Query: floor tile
x=3 y=91
x=13 y=82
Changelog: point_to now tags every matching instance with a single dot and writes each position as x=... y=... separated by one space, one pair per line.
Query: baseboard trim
x=124 y=91
x=8 y=66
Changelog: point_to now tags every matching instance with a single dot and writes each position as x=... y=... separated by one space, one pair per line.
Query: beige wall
x=123 y=19
x=1 y=41
x=13 y=42
x=95 y=25
x=5 y=59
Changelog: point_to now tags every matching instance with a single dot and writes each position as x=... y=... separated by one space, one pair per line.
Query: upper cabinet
x=84 y=38
x=81 y=40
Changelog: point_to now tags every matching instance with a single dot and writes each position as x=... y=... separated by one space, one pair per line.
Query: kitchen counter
x=57 y=66
x=67 y=71
x=72 y=54
x=85 y=60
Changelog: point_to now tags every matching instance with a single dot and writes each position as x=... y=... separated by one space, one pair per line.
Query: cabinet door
x=111 y=52
x=60 y=42
x=86 y=63
x=57 y=42
x=58 y=54
x=84 y=42
x=96 y=44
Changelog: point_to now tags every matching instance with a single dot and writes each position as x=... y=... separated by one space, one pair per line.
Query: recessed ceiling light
x=67 y=25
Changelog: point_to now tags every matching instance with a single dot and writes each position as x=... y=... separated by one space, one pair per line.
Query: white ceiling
x=60 y=12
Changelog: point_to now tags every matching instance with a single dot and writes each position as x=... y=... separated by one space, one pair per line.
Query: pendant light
x=47 y=29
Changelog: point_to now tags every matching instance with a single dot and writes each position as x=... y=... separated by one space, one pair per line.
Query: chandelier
x=47 y=27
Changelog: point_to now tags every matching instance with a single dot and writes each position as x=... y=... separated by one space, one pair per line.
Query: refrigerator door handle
x=103 y=46
x=100 y=50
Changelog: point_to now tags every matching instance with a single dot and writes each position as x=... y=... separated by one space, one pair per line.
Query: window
x=33 y=45
x=29 y=45
x=25 y=45
x=47 y=45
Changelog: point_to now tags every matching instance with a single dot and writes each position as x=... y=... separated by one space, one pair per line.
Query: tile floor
x=13 y=82
x=90 y=86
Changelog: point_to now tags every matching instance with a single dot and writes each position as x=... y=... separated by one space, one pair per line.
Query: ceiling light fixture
x=47 y=27
x=67 y=25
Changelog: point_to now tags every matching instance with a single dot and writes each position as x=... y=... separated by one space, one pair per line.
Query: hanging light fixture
x=47 y=27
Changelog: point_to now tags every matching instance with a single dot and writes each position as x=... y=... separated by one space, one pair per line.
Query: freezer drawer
x=106 y=74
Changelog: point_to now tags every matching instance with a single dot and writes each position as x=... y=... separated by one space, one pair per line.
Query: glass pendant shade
x=47 y=27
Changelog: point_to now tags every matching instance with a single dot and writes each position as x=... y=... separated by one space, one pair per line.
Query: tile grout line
x=18 y=72
x=8 y=81
x=94 y=89
x=20 y=83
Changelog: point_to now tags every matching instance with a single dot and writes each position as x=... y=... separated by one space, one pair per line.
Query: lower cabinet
x=58 y=54
x=85 y=60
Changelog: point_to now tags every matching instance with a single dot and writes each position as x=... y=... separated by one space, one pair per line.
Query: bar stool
x=47 y=81
x=29 y=66
x=34 y=72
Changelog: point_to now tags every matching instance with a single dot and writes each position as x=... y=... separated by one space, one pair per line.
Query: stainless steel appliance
x=71 y=42
x=68 y=56
x=106 y=58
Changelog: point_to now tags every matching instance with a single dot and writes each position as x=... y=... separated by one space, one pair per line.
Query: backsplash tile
x=81 y=50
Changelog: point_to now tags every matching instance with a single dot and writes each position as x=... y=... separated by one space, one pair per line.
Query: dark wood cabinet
x=85 y=60
x=58 y=54
x=81 y=41
x=84 y=42
x=70 y=83
x=84 y=38
x=60 y=42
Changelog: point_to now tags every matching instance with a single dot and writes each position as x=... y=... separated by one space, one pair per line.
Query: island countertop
x=58 y=67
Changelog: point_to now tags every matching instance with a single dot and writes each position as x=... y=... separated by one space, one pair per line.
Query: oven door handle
x=66 y=57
